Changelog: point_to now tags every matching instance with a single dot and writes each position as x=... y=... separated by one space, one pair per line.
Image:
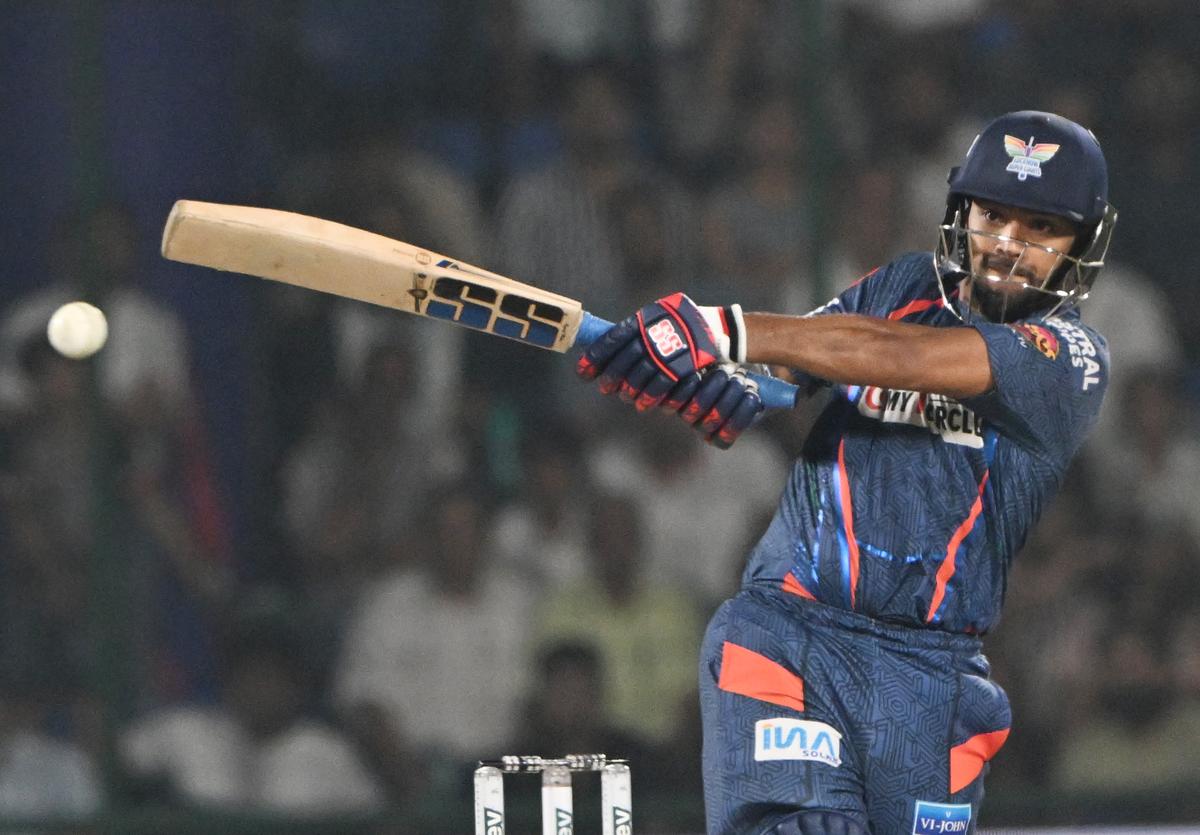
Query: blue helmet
x=1044 y=163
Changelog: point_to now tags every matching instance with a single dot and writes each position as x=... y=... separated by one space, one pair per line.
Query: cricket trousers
x=810 y=707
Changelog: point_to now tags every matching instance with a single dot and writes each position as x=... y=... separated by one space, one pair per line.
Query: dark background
x=224 y=487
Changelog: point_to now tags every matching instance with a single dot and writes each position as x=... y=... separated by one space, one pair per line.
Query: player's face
x=1013 y=249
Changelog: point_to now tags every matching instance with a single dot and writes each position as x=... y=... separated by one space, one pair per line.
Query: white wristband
x=728 y=329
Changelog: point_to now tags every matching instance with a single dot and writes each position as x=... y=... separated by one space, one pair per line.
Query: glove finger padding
x=637 y=378
x=707 y=393
x=618 y=366
x=748 y=407
x=657 y=391
x=679 y=396
x=595 y=360
x=725 y=405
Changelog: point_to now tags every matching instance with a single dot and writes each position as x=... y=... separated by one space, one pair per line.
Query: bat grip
x=775 y=393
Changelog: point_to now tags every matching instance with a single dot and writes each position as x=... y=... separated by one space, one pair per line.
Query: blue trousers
x=810 y=707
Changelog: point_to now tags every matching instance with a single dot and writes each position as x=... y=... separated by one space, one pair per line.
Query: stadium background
x=272 y=562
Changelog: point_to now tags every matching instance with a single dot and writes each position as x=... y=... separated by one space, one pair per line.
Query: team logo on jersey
x=1027 y=158
x=941 y=818
x=947 y=418
x=797 y=739
x=1082 y=350
x=1041 y=338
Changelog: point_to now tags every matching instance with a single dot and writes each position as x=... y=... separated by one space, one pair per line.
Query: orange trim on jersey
x=966 y=760
x=915 y=307
x=747 y=673
x=848 y=519
x=946 y=569
x=860 y=280
x=793 y=586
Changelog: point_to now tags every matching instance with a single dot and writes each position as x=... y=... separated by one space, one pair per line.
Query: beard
x=999 y=306
x=1004 y=307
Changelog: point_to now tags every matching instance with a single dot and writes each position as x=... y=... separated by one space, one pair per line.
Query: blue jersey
x=907 y=506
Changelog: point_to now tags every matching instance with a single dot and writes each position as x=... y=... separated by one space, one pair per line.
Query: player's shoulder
x=903 y=280
x=1066 y=328
x=908 y=266
x=1063 y=337
x=909 y=274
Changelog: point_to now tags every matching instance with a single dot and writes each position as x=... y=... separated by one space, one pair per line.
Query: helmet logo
x=1027 y=158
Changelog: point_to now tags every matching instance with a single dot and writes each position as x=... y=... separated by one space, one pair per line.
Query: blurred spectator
x=93 y=256
x=177 y=556
x=439 y=645
x=723 y=495
x=141 y=450
x=579 y=32
x=541 y=535
x=164 y=519
x=647 y=632
x=870 y=216
x=567 y=709
x=710 y=69
x=555 y=225
x=1134 y=315
x=260 y=747
x=927 y=17
x=347 y=500
x=659 y=254
x=756 y=224
x=1156 y=172
x=48 y=447
x=311 y=342
x=1136 y=739
x=41 y=774
x=1157 y=461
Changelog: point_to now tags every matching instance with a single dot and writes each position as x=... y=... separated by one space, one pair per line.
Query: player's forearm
x=861 y=350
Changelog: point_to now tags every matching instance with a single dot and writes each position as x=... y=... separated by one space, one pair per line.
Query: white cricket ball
x=77 y=330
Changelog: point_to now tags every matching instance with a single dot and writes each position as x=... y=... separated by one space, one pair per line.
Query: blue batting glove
x=724 y=405
x=663 y=346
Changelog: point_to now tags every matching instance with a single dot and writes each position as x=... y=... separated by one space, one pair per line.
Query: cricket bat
x=333 y=258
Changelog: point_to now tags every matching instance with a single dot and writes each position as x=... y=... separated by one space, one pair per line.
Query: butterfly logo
x=1027 y=158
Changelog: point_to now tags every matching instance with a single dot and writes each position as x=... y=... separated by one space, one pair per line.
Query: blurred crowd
x=454 y=549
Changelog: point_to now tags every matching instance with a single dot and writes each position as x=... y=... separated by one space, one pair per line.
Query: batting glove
x=724 y=405
x=662 y=347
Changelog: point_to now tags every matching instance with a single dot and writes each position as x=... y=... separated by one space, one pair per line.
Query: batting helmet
x=1044 y=163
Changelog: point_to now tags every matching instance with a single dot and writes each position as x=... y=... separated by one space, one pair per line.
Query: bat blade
x=333 y=258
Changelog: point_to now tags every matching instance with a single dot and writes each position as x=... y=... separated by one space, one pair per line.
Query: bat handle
x=775 y=393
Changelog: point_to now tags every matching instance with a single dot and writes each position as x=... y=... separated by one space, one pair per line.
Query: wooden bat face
x=333 y=258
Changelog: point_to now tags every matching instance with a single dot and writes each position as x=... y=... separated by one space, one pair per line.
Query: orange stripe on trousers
x=747 y=673
x=966 y=760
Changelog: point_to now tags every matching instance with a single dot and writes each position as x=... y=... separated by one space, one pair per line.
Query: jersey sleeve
x=857 y=297
x=1050 y=377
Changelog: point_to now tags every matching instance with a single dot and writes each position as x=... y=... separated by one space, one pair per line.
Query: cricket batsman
x=843 y=688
